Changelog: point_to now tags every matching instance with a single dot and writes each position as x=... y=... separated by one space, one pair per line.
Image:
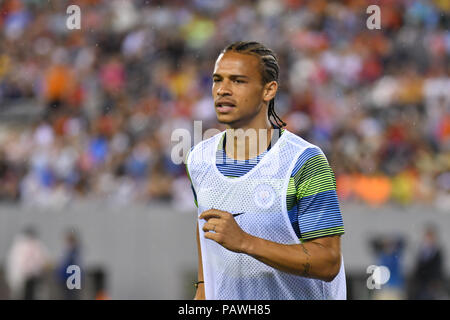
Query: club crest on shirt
x=264 y=196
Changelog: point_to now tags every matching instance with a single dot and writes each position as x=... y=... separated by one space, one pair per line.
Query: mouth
x=225 y=107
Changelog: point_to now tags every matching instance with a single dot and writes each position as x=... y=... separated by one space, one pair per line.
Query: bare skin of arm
x=319 y=258
x=200 y=293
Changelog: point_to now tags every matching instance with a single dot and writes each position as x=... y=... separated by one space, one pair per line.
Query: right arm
x=200 y=293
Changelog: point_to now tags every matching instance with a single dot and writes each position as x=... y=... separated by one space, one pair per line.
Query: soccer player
x=269 y=222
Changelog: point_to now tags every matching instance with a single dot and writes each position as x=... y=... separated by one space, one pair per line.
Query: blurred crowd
x=427 y=278
x=376 y=101
x=33 y=272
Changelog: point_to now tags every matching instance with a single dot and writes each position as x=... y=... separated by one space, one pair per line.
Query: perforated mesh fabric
x=261 y=195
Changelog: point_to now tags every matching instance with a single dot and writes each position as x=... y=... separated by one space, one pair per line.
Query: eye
x=239 y=81
x=216 y=80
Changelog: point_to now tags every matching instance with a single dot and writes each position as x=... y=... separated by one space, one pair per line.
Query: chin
x=224 y=119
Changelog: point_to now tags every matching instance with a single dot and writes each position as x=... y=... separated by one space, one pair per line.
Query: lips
x=225 y=106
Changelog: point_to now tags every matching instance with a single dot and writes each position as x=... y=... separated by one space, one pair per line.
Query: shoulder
x=201 y=154
x=204 y=144
x=307 y=150
x=312 y=172
x=299 y=143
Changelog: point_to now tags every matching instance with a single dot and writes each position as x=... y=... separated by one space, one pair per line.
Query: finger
x=211 y=213
x=215 y=221
x=213 y=236
x=208 y=227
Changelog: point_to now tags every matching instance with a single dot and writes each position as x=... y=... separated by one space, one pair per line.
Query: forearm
x=310 y=259
x=319 y=258
x=200 y=291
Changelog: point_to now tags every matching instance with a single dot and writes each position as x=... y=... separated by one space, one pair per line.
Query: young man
x=269 y=220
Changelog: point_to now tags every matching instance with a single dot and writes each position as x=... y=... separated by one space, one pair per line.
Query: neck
x=248 y=141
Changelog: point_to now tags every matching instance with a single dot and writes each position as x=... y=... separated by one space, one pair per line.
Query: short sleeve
x=319 y=214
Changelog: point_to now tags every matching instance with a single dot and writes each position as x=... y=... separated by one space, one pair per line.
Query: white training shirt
x=261 y=195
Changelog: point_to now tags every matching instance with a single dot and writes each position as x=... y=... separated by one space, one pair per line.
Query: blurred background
x=86 y=118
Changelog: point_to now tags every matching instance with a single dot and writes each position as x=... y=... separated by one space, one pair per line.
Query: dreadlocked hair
x=269 y=70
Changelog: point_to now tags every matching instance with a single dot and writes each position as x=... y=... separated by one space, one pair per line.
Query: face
x=238 y=92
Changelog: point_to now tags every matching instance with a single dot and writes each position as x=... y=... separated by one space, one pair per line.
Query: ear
x=270 y=90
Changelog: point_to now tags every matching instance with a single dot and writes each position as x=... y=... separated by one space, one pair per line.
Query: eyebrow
x=231 y=76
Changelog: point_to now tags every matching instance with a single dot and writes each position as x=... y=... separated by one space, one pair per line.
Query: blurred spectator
x=389 y=252
x=99 y=279
x=429 y=278
x=27 y=260
x=71 y=256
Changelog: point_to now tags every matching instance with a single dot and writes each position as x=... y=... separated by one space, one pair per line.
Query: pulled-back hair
x=269 y=69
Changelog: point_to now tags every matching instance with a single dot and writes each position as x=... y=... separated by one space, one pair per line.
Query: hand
x=226 y=231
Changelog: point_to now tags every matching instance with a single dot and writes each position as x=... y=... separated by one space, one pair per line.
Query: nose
x=224 y=89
